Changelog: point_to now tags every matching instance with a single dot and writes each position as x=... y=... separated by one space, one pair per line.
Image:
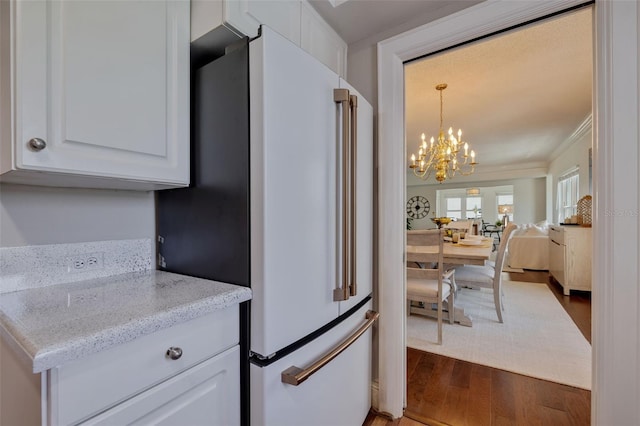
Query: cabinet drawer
x=556 y=234
x=91 y=385
x=207 y=394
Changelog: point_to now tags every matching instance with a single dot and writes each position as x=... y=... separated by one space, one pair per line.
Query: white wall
x=577 y=154
x=31 y=215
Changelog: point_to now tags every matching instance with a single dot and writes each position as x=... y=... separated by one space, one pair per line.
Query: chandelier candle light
x=447 y=155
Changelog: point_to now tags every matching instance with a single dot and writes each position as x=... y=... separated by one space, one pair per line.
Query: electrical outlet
x=85 y=262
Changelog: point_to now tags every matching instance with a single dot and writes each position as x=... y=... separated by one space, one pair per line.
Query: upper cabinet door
x=247 y=16
x=319 y=39
x=105 y=85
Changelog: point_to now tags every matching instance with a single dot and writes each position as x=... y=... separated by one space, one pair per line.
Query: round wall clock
x=417 y=207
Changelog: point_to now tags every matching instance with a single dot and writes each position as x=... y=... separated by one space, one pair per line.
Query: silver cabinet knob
x=37 y=144
x=174 y=352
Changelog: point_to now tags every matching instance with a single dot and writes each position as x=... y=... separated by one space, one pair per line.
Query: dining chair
x=489 y=275
x=430 y=284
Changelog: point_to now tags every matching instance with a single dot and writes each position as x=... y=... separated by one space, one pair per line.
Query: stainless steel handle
x=295 y=375
x=353 y=101
x=37 y=144
x=341 y=96
x=174 y=352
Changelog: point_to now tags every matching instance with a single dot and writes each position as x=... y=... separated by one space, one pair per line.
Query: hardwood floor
x=446 y=391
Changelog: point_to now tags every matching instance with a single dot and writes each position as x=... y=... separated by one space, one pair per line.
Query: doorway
x=479 y=21
x=520 y=106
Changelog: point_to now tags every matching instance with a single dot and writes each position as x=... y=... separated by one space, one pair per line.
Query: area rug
x=537 y=338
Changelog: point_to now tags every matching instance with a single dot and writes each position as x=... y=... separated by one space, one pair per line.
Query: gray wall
x=32 y=215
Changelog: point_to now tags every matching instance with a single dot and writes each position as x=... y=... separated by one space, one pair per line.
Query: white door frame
x=616 y=283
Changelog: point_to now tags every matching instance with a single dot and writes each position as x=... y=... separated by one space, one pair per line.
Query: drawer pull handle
x=174 y=353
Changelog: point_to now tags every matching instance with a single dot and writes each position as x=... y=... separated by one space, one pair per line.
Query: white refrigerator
x=282 y=201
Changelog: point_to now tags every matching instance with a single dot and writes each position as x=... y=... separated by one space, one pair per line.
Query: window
x=454 y=207
x=474 y=207
x=505 y=206
x=567 y=195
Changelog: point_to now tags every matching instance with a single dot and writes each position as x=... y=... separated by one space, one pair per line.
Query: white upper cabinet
x=99 y=93
x=281 y=16
x=319 y=39
x=295 y=20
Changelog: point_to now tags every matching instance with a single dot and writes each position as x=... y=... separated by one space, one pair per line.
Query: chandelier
x=446 y=156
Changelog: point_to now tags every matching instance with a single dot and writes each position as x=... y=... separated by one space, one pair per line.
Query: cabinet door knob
x=174 y=352
x=37 y=144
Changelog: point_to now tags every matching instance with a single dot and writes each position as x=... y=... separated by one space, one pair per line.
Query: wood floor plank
x=549 y=395
x=527 y=407
x=461 y=374
x=405 y=421
x=418 y=380
x=434 y=394
x=479 y=409
x=552 y=416
x=578 y=406
x=454 y=409
x=413 y=357
x=502 y=396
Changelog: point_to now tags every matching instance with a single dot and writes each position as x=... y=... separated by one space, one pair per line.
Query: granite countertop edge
x=81 y=346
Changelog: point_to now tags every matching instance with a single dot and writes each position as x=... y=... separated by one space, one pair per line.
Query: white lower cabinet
x=138 y=382
x=570 y=257
x=207 y=394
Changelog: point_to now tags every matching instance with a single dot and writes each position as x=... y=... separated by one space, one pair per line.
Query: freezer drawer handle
x=296 y=375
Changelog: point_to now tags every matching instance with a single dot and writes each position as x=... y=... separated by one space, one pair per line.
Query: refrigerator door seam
x=264 y=361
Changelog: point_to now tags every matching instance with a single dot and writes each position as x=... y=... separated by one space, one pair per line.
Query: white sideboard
x=570 y=249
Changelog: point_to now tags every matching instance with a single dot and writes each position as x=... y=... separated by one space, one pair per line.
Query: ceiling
x=355 y=20
x=518 y=97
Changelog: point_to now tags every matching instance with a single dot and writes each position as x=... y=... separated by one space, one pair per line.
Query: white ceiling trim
x=582 y=130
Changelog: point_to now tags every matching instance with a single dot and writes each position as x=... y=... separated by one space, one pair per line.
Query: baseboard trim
x=374 y=395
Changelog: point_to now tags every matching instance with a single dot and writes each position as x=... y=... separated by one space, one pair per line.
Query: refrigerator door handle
x=295 y=375
x=341 y=96
x=353 y=102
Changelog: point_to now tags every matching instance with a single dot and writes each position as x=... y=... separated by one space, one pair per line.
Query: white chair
x=430 y=285
x=490 y=275
x=461 y=225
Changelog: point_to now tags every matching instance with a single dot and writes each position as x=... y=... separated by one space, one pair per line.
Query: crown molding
x=582 y=130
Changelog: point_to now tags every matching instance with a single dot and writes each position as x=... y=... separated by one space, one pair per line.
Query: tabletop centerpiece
x=439 y=221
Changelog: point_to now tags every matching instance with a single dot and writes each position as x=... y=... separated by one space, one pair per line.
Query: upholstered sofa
x=529 y=247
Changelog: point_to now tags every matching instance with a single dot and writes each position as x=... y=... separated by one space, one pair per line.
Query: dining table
x=461 y=253
x=454 y=254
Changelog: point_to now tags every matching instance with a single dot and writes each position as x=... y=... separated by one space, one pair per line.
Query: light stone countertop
x=56 y=324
